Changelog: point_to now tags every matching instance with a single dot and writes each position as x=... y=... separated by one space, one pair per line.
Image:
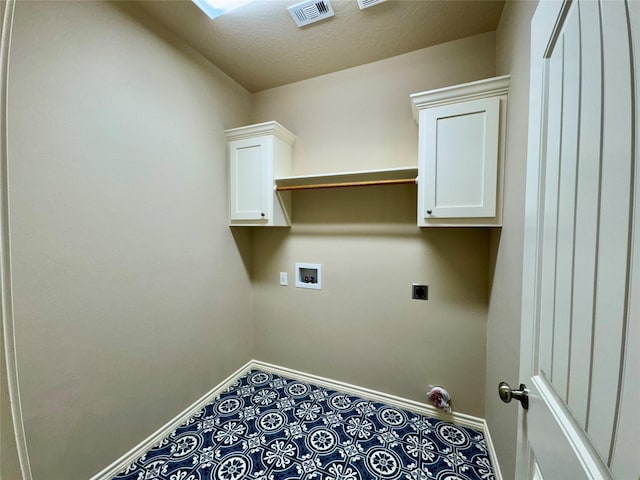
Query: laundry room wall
x=363 y=327
x=129 y=290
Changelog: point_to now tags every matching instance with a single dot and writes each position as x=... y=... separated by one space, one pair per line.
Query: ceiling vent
x=368 y=3
x=304 y=13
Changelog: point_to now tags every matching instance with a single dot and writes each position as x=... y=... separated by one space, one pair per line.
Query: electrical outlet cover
x=420 y=292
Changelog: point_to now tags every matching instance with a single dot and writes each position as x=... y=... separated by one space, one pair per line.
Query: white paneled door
x=581 y=307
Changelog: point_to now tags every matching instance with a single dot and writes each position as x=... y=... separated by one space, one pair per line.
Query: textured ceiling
x=260 y=46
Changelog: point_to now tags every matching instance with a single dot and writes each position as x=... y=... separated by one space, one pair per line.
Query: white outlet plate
x=283 y=279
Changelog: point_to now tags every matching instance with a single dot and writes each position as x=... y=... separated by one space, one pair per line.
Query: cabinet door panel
x=248 y=173
x=461 y=159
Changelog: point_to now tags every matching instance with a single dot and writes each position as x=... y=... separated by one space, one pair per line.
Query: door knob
x=507 y=394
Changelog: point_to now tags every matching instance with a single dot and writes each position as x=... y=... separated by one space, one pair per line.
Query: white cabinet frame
x=460 y=154
x=257 y=155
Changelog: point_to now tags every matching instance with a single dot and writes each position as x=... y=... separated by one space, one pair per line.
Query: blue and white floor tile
x=266 y=427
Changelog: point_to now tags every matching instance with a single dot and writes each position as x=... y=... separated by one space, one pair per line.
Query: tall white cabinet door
x=459 y=150
x=250 y=186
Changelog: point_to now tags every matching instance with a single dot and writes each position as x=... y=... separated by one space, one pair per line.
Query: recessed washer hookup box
x=309 y=275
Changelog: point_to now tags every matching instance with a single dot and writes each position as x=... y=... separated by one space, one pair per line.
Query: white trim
x=8 y=323
x=489 y=87
x=537 y=474
x=155 y=438
x=491 y=449
x=260 y=129
x=368 y=394
x=547 y=14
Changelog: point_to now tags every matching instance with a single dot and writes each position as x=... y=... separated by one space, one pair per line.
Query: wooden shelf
x=388 y=176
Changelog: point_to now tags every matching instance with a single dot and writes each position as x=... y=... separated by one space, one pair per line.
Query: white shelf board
x=346 y=177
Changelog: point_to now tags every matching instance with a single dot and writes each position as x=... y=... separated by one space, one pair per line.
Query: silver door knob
x=507 y=394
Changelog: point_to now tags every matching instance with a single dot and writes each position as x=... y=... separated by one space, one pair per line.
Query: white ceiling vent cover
x=368 y=3
x=304 y=13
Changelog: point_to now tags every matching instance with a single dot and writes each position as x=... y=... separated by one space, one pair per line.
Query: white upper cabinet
x=257 y=155
x=460 y=150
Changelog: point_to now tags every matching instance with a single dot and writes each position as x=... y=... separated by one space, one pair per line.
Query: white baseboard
x=405 y=404
x=155 y=438
x=455 y=418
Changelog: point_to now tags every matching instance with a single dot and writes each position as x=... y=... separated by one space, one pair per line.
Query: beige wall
x=130 y=293
x=360 y=118
x=503 y=328
x=362 y=327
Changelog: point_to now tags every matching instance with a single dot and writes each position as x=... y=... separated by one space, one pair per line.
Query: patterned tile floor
x=266 y=427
